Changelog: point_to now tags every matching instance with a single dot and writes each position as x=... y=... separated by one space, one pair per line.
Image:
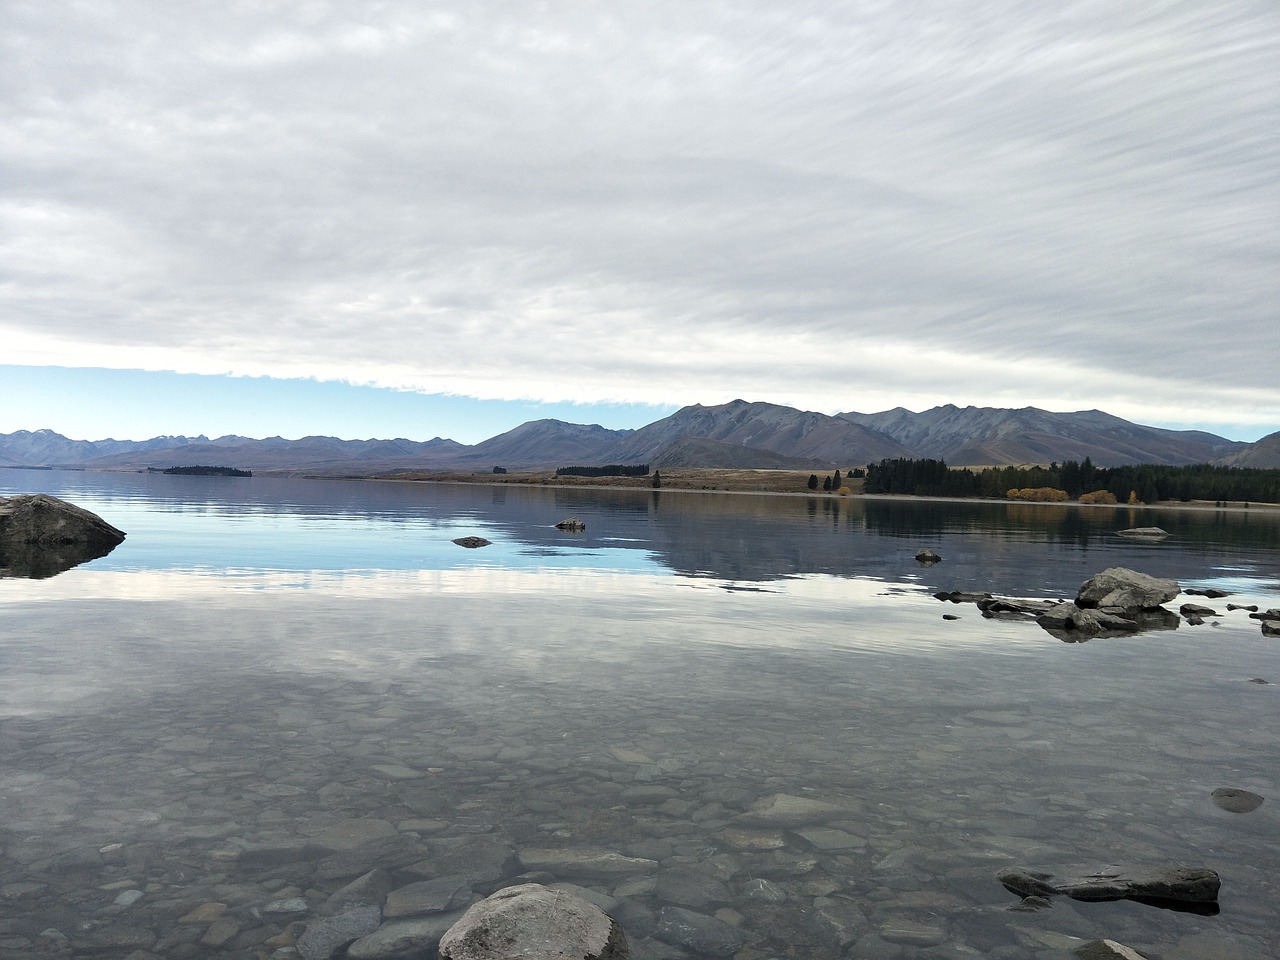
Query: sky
x=375 y=219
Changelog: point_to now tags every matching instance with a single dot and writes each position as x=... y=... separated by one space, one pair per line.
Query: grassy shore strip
x=761 y=481
x=710 y=480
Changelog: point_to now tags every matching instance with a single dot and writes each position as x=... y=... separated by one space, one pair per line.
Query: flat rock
x=1144 y=533
x=471 y=543
x=837 y=924
x=961 y=596
x=531 y=921
x=902 y=930
x=829 y=838
x=428 y=896
x=388 y=853
x=584 y=862
x=324 y=938
x=1176 y=884
x=785 y=810
x=368 y=890
x=1197 y=610
x=697 y=932
x=205 y=913
x=692 y=890
x=1236 y=800
x=1010 y=607
x=483 y=861
x=1107 y=950
x=352 y=834
x=401 y=938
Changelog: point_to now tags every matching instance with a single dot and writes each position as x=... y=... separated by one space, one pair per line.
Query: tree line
x=608 y=470
x=1145 y=482
x=205 y=471
x=835 y=481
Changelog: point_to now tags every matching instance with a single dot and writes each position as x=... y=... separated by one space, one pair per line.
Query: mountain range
x=739 y=434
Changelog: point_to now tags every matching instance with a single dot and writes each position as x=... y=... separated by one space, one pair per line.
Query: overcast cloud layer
x=833 y=205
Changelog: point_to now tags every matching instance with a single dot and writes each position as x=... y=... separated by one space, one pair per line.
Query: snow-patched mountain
x=44 y=448
x=27 y=448
x=976 y=436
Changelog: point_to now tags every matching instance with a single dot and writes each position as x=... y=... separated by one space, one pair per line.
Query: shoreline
x=739 y=482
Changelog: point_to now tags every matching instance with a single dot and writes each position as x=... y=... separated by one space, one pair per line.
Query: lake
x=274 y=687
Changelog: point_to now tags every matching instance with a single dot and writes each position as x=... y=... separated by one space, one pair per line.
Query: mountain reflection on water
x=274 y=686
x=1009 y=548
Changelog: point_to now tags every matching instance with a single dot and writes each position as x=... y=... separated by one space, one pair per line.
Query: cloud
x=842 y=206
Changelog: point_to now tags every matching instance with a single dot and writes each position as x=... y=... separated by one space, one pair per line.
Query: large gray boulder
x=1122 y=589
x=533 y=922
x=41 y=536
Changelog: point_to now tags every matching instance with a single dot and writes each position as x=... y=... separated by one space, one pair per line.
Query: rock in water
x=1126 y=589
x=1163 y=884
x=785 y=810
x=1236 y=800
x=1107 y=950
x=41 y=536
x=471 y=542
x=533 y=922
x=697 y=932
x=571 y=523
x=323 y=938
x=928 y=556
x=1144 y=533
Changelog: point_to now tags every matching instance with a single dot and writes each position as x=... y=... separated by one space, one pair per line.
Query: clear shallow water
x=262 y=661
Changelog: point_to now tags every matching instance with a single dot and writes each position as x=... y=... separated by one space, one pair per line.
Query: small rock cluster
x=1112 y=603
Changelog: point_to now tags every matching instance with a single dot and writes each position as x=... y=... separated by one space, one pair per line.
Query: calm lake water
x=275 y=686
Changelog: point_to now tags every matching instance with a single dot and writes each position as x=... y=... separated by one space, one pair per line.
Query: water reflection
x=1010 y=548
x=39 y=561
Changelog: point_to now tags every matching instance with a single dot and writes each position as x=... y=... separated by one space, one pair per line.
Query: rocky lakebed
x=315 y=820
